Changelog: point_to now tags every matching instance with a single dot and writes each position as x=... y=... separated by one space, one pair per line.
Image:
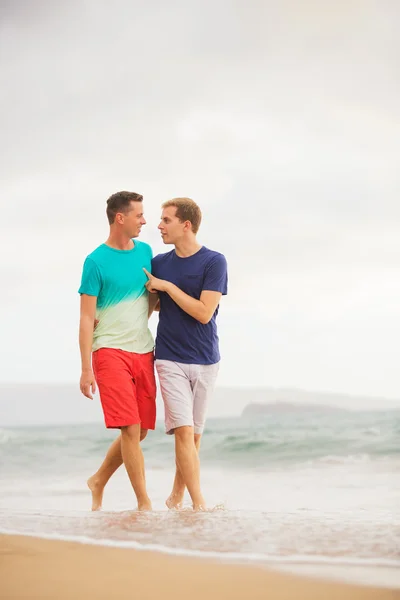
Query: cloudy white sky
x=281 y=119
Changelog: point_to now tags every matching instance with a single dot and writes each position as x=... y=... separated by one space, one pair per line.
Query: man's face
x=171 y=228
x=134 y=220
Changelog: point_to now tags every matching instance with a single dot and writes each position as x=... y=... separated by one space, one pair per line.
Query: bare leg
x=178 y=490
x=187 y=459
x=134 y=464
x=111 y=463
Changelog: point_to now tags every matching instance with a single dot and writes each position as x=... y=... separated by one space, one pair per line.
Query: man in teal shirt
x=120 y=349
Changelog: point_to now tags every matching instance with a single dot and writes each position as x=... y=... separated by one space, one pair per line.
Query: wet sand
x=36 y=568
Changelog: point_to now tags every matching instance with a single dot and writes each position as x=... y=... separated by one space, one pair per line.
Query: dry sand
x=37 y=568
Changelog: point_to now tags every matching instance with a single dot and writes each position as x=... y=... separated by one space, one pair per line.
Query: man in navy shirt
x=190 y=280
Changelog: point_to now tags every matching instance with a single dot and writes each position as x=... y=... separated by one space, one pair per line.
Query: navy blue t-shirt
x=180 y=337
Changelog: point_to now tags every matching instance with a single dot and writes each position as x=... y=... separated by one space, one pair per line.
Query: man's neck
x=187 y=247
x=119 y=241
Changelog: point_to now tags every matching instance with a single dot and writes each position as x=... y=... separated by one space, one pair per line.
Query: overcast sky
x=281 y=119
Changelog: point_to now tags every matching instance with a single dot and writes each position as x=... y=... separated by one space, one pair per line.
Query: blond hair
x=186 y=210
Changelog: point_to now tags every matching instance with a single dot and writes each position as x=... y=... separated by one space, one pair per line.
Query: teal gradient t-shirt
x=117 y=279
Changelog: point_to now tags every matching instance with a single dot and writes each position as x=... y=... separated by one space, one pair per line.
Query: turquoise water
x=252 y=443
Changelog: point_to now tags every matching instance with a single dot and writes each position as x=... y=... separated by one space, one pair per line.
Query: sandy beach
x=38 y=568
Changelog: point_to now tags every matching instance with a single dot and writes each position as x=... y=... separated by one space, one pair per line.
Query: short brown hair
x=186 y=210
x=120 y=202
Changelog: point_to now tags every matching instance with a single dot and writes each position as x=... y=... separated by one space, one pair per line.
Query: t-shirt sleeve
x=216 y=275
x=91 y=279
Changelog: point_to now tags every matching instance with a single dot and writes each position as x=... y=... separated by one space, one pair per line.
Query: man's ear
x=119 y=218
x=187 y=226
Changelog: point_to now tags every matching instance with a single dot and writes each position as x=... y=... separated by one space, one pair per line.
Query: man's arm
x=88 y=314
x=154 y=303
x=202 y=310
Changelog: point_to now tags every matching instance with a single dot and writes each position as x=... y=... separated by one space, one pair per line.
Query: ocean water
x=311 y=491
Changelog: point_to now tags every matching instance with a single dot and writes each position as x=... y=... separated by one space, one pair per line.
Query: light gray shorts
x=185 y=390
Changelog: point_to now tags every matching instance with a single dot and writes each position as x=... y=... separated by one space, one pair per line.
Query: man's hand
x=87 y=382
x=154 y=284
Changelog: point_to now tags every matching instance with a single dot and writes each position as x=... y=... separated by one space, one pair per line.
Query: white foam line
x=221 y=556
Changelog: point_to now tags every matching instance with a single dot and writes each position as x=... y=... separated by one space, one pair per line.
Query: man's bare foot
x=145 y=505
x=174 y=502
x=200 y=505
x=97 y=492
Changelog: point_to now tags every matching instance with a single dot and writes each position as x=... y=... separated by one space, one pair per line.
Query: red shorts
x=127 y=387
